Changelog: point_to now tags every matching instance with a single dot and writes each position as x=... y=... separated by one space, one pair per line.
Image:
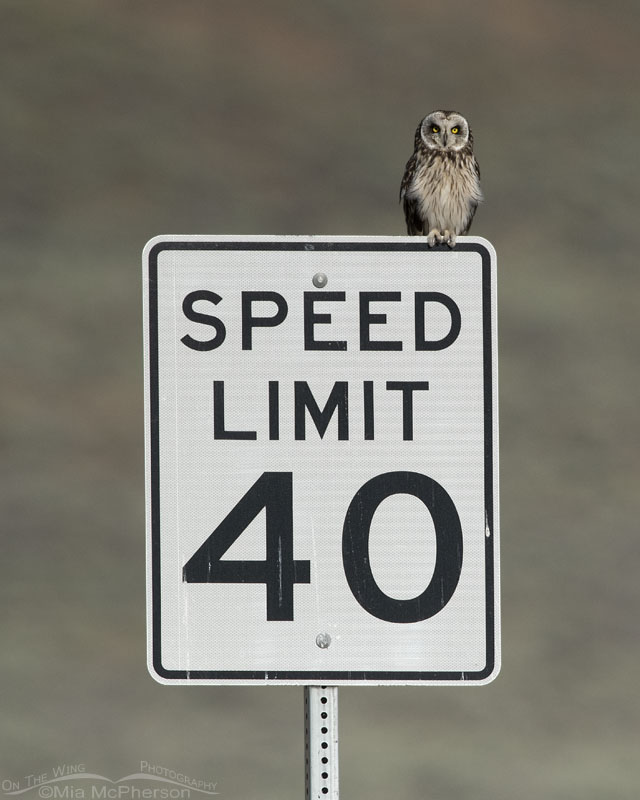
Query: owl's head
x=444 y=130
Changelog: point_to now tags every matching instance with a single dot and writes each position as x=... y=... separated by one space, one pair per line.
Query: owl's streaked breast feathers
x=440 y=189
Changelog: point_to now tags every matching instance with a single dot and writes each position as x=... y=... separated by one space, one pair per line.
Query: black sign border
x=308 y=677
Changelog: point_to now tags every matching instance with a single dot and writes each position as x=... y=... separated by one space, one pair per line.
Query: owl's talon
x=450 y=238
x=434 y=237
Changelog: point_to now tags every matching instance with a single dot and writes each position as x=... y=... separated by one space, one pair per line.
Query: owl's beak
x=444 y=138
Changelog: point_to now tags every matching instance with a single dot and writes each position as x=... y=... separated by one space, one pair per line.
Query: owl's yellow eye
x=455 y=130
x=435 y=129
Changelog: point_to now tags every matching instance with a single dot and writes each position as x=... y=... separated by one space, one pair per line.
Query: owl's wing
x=472 y=212
x=411 y=215
x=474 y=206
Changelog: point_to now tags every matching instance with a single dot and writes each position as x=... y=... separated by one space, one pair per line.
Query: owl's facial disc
x=444 y=131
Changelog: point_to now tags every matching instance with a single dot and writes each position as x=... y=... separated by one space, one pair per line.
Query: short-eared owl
x=440 y=189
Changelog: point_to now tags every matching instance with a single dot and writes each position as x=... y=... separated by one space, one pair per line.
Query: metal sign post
x=321 y=742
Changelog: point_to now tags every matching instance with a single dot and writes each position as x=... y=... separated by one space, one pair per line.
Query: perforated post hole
x=321 y=742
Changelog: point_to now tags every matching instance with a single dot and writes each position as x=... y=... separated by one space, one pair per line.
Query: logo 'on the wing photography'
x=75 y=782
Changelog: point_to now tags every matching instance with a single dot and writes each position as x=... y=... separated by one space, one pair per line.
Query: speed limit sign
x=321 y=451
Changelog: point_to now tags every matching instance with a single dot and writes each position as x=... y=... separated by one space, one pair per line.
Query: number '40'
x=279 y=571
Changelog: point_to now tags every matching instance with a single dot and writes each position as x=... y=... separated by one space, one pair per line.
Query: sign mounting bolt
x=323 y=640
x=320 y=280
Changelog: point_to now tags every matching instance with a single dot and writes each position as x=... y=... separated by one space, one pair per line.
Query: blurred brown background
x=121 y=120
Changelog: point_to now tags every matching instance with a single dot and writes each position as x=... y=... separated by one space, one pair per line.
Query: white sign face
x=321 y=434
